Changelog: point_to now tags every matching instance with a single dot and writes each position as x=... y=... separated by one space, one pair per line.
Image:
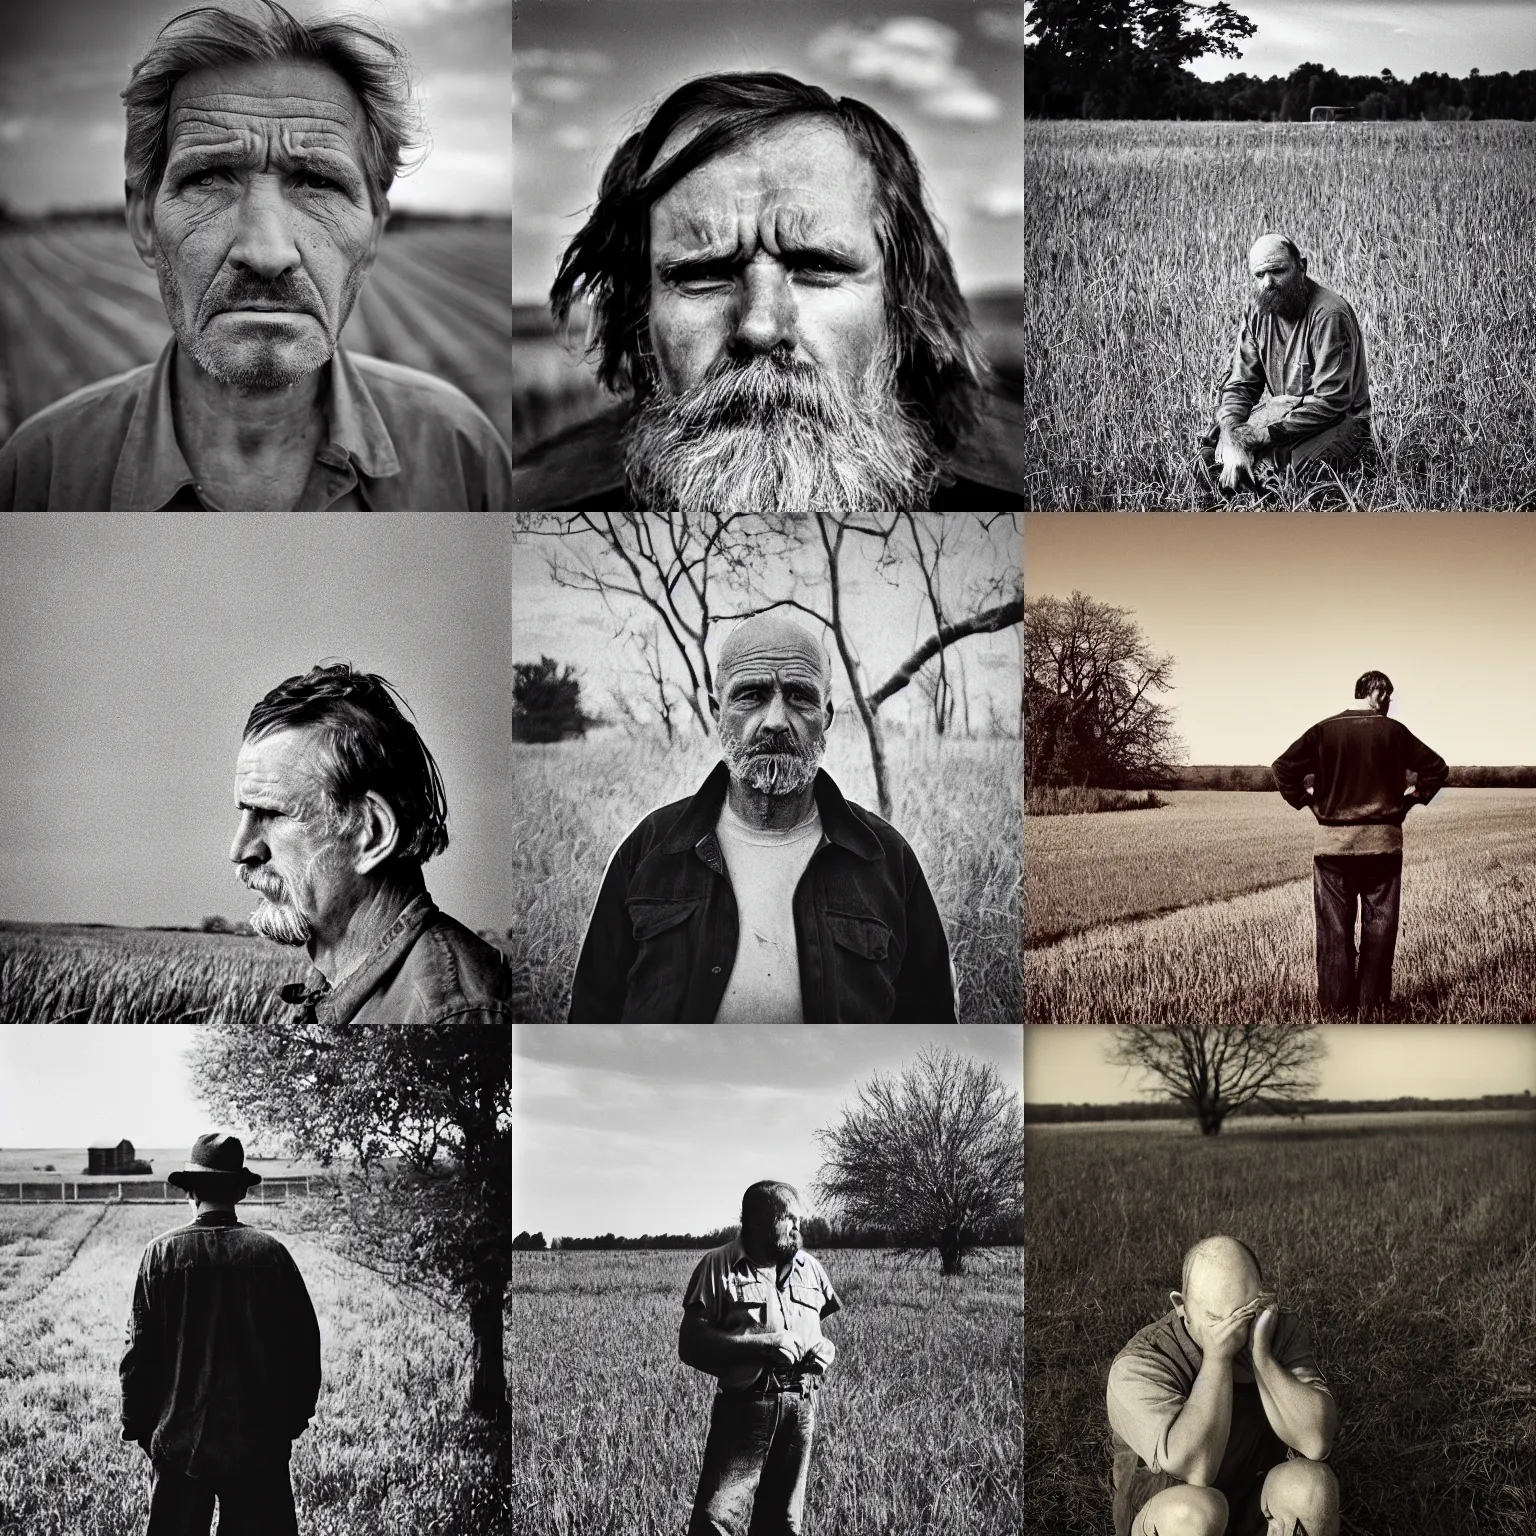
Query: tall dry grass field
x=1408 y=1242
x=917 y=1426
x=1203 y=909
x=1138 y=236
x=387 y=1454
x=958 y=804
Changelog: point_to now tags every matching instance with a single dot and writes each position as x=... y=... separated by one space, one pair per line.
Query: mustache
x=263 y=884
x=271 y=296
x=737 y=394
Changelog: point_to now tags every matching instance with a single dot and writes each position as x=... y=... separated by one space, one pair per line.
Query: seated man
x=1302 y=343
x=1219 y=1415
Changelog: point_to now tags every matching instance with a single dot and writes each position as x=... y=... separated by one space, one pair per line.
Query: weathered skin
x=264 y=199
x=786 y=224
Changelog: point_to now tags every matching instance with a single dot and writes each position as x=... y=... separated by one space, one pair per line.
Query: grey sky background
x=659 y=1128
x=132 y=648
x=886 y=611
x=66 y=61
x=1064 y=1064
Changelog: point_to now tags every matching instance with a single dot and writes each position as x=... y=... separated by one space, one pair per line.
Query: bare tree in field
x=1090 y=680
x=1218 y=1068
x=934 y=1156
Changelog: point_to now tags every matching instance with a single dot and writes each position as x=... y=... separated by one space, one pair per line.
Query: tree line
x=1257 y=777
x=1065 y=1114
x=816 y=1232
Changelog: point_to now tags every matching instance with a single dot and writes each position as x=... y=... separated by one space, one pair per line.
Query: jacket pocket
x=865 y=961
x=658 y=976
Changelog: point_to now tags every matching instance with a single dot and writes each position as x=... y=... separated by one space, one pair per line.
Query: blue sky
x=65 y=62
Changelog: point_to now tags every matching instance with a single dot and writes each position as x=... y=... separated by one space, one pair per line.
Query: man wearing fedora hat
x=222 y=1368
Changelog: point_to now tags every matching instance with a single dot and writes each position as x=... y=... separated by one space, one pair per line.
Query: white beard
x=773 y=773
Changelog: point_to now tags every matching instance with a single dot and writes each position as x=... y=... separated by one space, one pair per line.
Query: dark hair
x=939 y=365
x=372 y=62
x=765 y=1198
x=365 y=744
x=1372 y=682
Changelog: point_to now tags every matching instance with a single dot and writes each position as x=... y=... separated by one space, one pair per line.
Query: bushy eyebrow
x=684 y=268
x=196 y=158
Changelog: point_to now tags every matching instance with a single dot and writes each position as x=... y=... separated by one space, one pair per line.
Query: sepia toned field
x=1409 y=1243
x=958 y=805
x=917 y=1427
x=1137 y=237
x=388 y=1453
x=77 y=305
x=1204 y=909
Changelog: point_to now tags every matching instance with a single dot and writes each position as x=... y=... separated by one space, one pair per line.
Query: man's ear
x=1177 y=1298
x=379 y=837
x=136 y=213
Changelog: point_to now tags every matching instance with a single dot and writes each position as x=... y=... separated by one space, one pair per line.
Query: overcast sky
x=1272 y=618
x=635 y=1128
x=947 y=73
x=66 y=61
x=132 y=647
x=1065 y=1064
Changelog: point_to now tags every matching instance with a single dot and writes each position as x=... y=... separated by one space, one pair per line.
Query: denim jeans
x=254 y=1503
x=1341 y=883
x=756 y=1461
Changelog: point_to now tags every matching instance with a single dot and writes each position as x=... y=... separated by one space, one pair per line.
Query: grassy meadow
x=1138 y=236
x=388 y=1452
x=1408 y=1242
x=917 y=1427
x=1204 y=909
x=957 y=804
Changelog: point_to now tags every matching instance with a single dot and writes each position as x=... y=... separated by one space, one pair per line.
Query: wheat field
x=1137 y=237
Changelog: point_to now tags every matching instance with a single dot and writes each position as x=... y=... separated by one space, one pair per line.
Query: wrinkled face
x=1279 y=281
x=287 y=848
x=262 y=230
x=773 y=715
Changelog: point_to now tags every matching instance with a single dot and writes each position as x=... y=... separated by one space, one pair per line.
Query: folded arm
x=712 y=1350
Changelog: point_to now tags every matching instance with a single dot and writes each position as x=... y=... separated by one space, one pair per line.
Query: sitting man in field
x=340 y=805
x=1359 y=774
x=767 y=898
x=752 y=1318
x=1302 y=343
x=772 y=298
x=222 y=1367
x=259 y=154
x=1220 y=1418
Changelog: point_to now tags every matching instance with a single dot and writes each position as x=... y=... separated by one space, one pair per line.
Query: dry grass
x=1072 y=800
x=958 y=805
x=917 y=1428
x=1139 y=233
x=387 y=1454
x=1409 y=1245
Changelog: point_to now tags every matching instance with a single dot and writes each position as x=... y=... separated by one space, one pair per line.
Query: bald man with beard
x=767 y=897
x=1301 y=343
x=1220 y=1417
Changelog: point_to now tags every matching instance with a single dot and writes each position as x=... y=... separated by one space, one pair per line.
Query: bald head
x=772 y=643
x=1271 y=248
x=1221 y=1274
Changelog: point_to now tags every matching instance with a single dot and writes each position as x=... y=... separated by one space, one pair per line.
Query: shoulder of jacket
x=993 y=452
x=80 y=411
x=574 y=468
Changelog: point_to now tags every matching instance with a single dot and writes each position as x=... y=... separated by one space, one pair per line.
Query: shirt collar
x=216 y=1219
x=321 y=1003
x=151 y=467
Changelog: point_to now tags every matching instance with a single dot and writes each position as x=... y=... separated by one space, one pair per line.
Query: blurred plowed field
x=77 y=305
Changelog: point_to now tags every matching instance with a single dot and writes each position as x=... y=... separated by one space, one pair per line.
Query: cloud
x=913 y=55
x=574 y=138
x=565 y=61
x=14 y=129
x=558 y=87
x=1004 y=201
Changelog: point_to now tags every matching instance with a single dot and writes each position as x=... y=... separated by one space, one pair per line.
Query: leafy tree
x=529 y=1242
x=546 y=702
x=1216 y=1069
x=935 y=1157
x=416 y=1124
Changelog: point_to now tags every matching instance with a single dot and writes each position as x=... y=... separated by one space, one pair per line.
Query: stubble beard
x=785 y=772
x=777 y=435
x=1289 y=301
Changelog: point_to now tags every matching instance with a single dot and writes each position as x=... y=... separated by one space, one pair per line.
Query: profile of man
x=1302 y=343
x=260 y=152
x=772 y=298
x=1220 y=1419
x=752 y=1315
x=767 y=898
x=1359 y=774
x=340 y=805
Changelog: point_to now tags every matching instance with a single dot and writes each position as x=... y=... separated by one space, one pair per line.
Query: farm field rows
x=959 y=807
x=1409 y=1244
x=77 y=305
x=1137 y=236
x=917 y=1427
x=1223 y=951
x=387 y=1454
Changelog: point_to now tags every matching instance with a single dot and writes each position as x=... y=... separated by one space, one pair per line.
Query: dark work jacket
x=1359 y=762
x=582 y=468
x=222 y=1367
x=663 y=934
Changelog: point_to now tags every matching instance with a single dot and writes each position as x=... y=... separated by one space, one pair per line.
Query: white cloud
x=13 y=129
x=914 y=55
x=566 y=61
x=999 y=202
x=558 y=87
x=574 y=137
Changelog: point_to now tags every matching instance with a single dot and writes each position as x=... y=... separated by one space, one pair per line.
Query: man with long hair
x=768 y=289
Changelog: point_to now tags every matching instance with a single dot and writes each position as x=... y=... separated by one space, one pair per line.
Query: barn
x=114 y=1159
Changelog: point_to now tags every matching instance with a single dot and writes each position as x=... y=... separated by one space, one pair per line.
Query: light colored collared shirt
x=396 y=439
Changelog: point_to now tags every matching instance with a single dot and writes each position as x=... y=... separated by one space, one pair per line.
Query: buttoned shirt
x=738 y=1297
x=396 y=439
x=426 y=968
